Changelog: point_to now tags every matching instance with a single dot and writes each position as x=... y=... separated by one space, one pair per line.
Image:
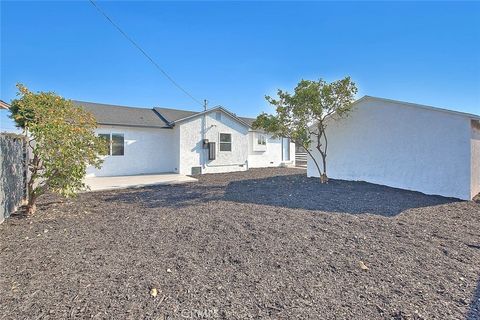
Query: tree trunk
x=31 y=206
x=323 y=177
x=323 y=153
x=32 y=197
x=31 y=190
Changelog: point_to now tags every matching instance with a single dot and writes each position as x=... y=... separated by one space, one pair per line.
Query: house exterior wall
x=475 y=150
x=192 y=153
x=147 y=150
x=400 y=146
x=270 y=155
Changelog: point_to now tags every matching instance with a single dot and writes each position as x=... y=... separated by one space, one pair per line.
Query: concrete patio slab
x=123 y=182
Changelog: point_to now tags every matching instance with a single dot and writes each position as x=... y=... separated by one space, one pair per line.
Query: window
x=261 y=140
x=218 y=116
x=225 y=142
x=115 y=142
x=118 y=145
x=106 y=138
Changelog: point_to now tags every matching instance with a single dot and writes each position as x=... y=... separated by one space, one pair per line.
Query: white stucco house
x=405 y=145
x=158 y=140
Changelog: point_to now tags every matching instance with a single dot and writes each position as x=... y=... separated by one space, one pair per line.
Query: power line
x=136 y=45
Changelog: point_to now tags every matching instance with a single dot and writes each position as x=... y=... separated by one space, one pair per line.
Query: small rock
x=153 y=292
x=169 y=271
x=45 y=230
x=362 y=266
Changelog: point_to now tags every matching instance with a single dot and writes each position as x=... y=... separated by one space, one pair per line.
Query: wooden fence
x=13 y=173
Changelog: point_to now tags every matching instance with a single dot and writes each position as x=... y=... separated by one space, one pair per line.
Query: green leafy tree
x=62 y=141
x=303 y=116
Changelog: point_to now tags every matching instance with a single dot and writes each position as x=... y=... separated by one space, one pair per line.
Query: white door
x=285 y=149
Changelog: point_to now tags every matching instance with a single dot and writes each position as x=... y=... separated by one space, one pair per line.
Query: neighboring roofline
x=4 y=105
x=218 y=108
x=422 y=106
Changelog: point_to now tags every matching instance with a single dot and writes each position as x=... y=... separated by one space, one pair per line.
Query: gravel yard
x=262 y=244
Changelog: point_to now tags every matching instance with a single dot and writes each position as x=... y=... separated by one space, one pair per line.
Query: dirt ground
x=262 y=244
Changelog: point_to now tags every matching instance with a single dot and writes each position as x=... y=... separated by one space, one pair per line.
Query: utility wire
x=136 y=45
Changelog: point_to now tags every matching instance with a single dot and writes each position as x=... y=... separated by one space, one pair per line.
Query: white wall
x=271 y=156
x=147 y=150
x=475 y=145
x=401 y=146
x=192 y=153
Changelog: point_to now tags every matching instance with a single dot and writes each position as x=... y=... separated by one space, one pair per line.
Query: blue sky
x=233 y=53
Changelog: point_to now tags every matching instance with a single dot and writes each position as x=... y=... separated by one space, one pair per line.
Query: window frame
x=123 y=144
x=109 y=139
x=220 y=142
x=261 y=138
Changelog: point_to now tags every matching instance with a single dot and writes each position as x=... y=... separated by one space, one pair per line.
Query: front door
x=285 y=149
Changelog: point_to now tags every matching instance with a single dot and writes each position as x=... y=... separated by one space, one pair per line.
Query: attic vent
x=218 y=116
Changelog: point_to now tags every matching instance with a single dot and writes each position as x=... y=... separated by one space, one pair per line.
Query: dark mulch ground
x=262 y=244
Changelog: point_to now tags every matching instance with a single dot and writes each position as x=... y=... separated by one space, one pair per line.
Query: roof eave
x=131 y=125
x=4 y=105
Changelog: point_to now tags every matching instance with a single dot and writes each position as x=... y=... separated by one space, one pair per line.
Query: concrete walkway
x=122 y=182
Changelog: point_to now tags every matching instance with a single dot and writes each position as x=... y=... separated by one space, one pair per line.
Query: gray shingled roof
x=120 y=115
x=172 y=115
x=157 y=117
